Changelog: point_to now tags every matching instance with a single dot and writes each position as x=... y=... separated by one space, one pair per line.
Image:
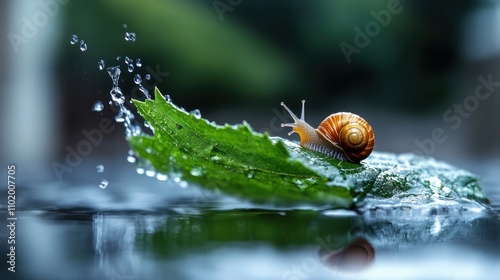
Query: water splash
x=98 y=106
x=73 y=39
x=101 y=64
x=132 y=128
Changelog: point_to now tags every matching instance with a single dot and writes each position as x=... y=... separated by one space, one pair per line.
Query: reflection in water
x=114 y=246
x=356 y=256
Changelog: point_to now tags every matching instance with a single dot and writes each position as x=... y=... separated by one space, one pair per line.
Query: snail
x=343 y=135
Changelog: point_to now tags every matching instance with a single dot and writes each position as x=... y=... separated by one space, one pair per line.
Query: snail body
x=343 y=135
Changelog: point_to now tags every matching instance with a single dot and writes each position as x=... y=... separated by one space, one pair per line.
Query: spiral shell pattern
x=349 y=133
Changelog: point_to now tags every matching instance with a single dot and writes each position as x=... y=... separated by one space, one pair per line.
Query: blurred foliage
x=268 y=49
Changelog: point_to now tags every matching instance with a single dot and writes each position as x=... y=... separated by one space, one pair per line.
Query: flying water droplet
x=161 y=177
x=98 y=106
x=73 y=39
x=145 y=91
x=130 y=68
x=137 y=79
x=130 y=36
x=100 y=168
x=196 y=113
x=131 y=157
x=140 y=170
x=125 y=26
x=128 y=60
x=83 y=46
x=183 y=184
x=148 y=77
x=177 y=179
x=150 y=173
x=103 y=184
x=118 y=58
x=138 y=62
x=101 y=65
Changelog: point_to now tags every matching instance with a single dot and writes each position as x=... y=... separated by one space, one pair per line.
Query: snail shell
x=341 y=135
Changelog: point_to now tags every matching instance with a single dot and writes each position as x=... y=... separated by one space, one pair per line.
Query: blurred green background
x=237 y=60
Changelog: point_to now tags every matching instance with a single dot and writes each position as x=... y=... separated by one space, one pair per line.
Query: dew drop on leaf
x=195 y=172
x=196 y=113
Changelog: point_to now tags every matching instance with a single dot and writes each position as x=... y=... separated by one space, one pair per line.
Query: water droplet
x=118 y=58
x=177 y=179
x=117 y=95
x=131 y=156
x=103 y=184
x=145 y=91
x=101 y=65
x=128 y=60
x=137 y=79
x=98 y=106
x=250 y=174
x=183 y=184
x=150 y=173
x=119 y=117
x=215 y=158
x=125 y=26
x=196 y=113
x=167 y=98
x=140 y=170
x=73 y=39
x=130 y=36
x=138 y=62
x=130 y=68
x=196 y=172
x=161 y=177
x=100 y=168
x=148 y=77
x=83 y=46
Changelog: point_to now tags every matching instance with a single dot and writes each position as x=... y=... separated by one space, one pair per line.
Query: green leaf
x=240 y=162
